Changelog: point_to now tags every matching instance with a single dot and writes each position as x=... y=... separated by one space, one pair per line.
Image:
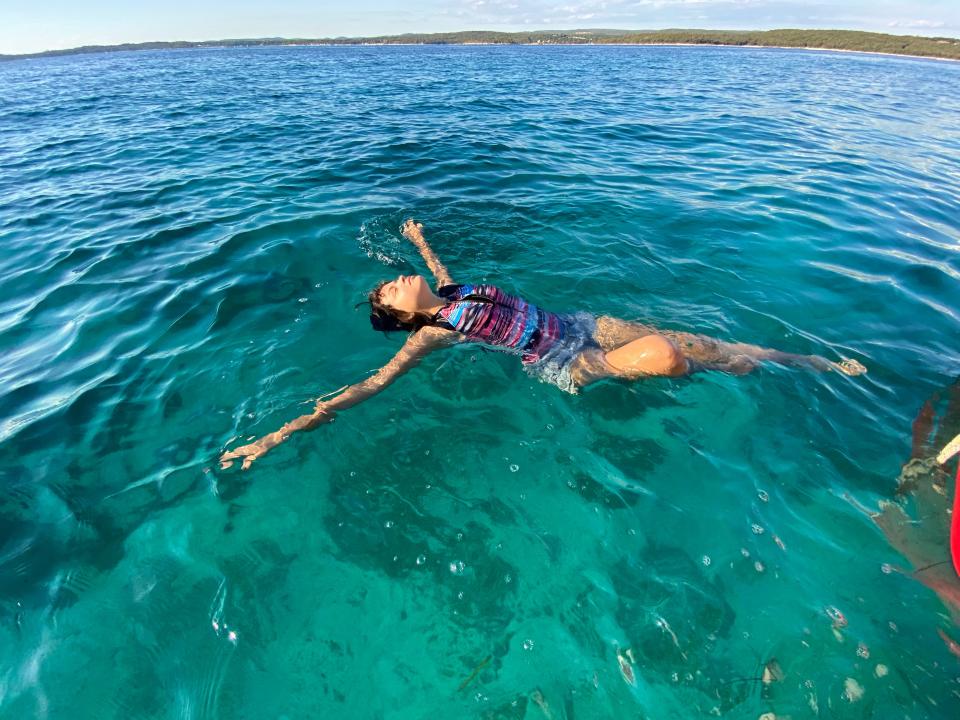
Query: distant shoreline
x=911 y=46
x=204 y=46
x=747 y=47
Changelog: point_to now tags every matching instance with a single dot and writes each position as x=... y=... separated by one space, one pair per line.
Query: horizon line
x=386 y=39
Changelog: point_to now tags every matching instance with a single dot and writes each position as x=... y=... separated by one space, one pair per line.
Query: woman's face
x=408 y=293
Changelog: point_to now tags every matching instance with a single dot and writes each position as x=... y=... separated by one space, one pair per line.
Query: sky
x=34 y=25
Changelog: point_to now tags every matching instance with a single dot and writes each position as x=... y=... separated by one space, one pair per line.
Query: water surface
x=184 y=235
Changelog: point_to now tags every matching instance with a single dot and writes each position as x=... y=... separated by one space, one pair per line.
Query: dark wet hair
x=388 y=319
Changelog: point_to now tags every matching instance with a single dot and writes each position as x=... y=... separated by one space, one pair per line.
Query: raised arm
x=413 y=231
x=418 y=346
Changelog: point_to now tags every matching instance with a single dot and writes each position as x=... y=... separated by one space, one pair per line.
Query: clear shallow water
x=184 y=236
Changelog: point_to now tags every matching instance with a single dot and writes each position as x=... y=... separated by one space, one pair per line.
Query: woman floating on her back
x=571 y=351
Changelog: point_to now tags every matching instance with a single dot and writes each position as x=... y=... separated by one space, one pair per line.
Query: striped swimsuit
x=488 y=315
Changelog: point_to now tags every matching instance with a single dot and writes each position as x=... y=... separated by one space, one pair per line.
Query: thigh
x=590 y=365
x=613 y=332
x=701 y=351
x=651 y=355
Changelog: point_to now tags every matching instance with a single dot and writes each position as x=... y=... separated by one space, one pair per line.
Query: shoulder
x=431 y=337
x=471 y=291
x=451 y=291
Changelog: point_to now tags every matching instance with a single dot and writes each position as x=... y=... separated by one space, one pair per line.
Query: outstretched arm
x=418 y=346
x=413 y=231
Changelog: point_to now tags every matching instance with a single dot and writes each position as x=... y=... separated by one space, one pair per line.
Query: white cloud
x=929 y=24
x=718 y=14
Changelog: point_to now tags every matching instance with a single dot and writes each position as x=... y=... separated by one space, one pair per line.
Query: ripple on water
x=185 y=236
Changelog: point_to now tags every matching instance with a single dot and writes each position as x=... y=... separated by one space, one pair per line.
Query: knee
x=667 y=356
x=649 y=355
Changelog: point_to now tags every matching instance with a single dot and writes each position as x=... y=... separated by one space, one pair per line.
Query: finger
x=248 y=461
x=224 y=464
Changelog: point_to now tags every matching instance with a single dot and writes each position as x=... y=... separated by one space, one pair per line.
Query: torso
x=488 y=315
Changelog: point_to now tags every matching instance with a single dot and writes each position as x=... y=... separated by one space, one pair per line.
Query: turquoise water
x=184 y=236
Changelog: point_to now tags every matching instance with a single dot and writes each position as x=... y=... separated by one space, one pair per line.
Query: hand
x=412 y=231
x=249 y=453
x=254 y=450
x=850 y=367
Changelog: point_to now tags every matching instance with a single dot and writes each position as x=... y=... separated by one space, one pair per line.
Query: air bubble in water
x=514 y=468
x=421 y=559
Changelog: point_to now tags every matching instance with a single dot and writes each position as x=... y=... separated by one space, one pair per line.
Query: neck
x=434 y=303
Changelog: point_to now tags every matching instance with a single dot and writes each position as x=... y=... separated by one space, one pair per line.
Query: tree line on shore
x=938 y=47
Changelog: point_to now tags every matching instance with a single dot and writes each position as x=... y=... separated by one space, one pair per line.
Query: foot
x=849 y=367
